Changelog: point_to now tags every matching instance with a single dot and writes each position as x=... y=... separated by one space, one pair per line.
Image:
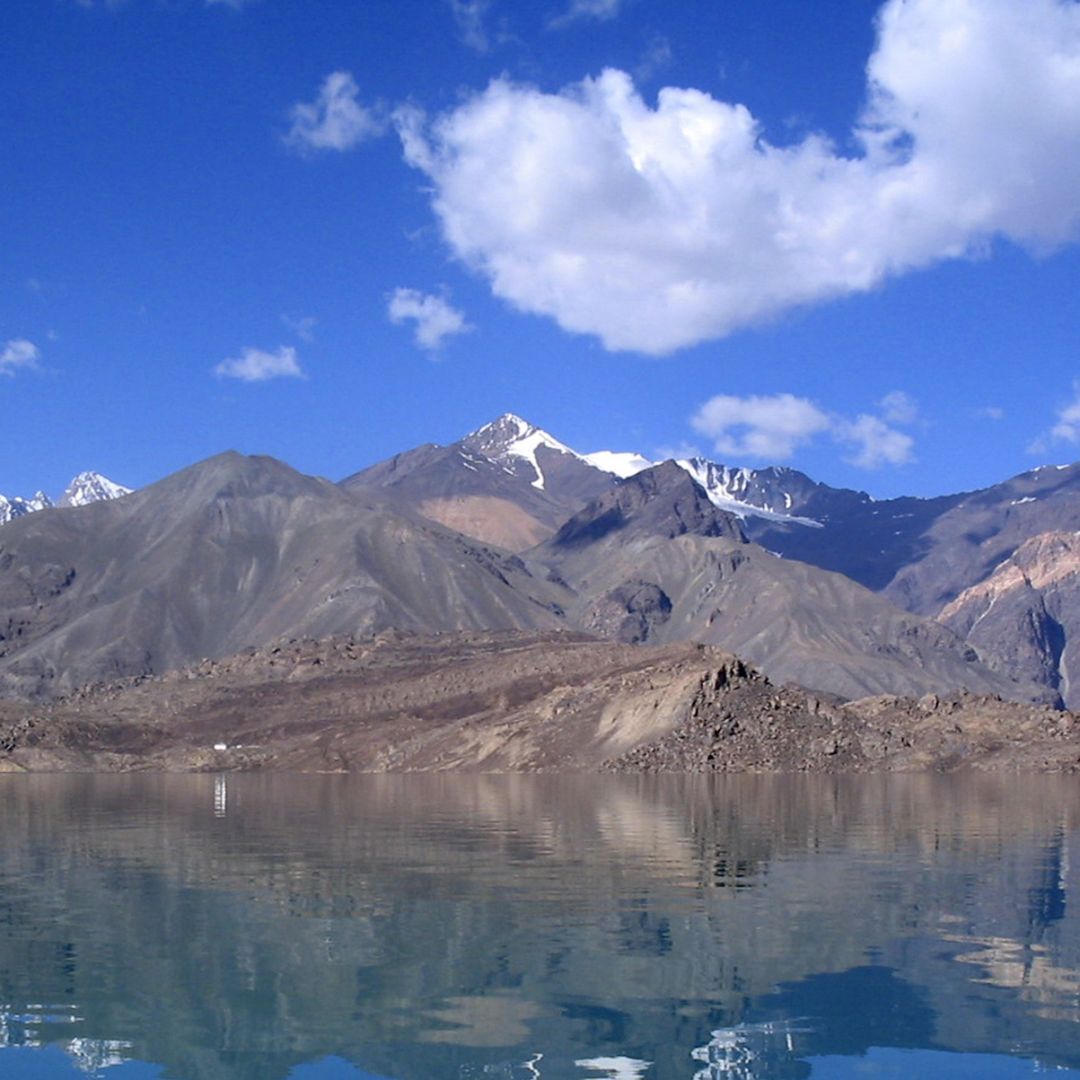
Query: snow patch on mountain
x=727 y=489
x=622 y=464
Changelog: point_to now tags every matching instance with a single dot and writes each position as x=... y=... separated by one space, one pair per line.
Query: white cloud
x=773 y=428
x=18 y=353
x=990 y=412
x=435 y=319
x=899 y=407
x=335 y=120
x=759 y=427
x=257 y=365
x=656 y=228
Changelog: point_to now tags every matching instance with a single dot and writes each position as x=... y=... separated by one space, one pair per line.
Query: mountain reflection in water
x=614 y=928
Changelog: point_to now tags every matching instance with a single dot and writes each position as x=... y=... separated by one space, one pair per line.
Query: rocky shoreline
x=513 y=702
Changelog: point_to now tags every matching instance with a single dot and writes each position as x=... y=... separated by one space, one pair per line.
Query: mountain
x=514 y=485
x=230 y=553
x=507 y=483
x=966 y=543
x=1027 y=613
x=655 y=560
x=86 y=488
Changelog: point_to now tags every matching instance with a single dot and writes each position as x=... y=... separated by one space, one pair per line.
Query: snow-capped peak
x=91 y=487
x=511 y=437
x=15 y=507
x=86 y=488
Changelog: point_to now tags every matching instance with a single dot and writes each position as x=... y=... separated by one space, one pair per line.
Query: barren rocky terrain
x=514 y=701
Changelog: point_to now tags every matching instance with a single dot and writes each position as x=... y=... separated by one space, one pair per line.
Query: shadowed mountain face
x=654 y=560
x=662 y=501
x=230 y=553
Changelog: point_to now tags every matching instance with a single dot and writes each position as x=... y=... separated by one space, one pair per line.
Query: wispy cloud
x=471 y=19
x=899 y=407
x=303 y=327
x=773 y=428
x=1066 y=428
x=18 y=354
x=588 y=9
x=257 y=365
x=435 y=319
x=335 y=120
x=659 y=227
x=657 y=56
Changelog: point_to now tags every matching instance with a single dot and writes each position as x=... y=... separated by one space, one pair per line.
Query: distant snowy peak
x=86 y=488
x=745 y=491
x=510 y=438
x=91 y=487
x=618 y=463
x=10 y=509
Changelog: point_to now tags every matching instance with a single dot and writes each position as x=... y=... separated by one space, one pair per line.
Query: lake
x=626 y=928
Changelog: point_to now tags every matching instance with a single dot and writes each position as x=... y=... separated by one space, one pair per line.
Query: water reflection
x=627 y=929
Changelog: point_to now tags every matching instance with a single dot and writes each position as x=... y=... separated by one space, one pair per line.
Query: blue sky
x=332 y=230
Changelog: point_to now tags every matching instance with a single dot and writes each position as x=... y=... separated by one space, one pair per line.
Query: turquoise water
x=349 y=928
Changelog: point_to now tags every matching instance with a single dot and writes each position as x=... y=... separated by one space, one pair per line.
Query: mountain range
x=86 y=488
x=510 y=529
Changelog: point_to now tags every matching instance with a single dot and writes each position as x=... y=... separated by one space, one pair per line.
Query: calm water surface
x=341 y=928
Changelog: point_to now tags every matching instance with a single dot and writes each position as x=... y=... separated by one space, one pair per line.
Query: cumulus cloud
x=655 y=227
x=257 y=365
x=18 y=354
x=335 y=120
x=773 y=428
x=874 y=442
x=435 y=319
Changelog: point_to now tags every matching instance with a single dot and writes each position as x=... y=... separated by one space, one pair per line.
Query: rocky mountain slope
x=233 y=552
x=1027 y=612
x=512 y=703
x=921 y=554
x=655 y=560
